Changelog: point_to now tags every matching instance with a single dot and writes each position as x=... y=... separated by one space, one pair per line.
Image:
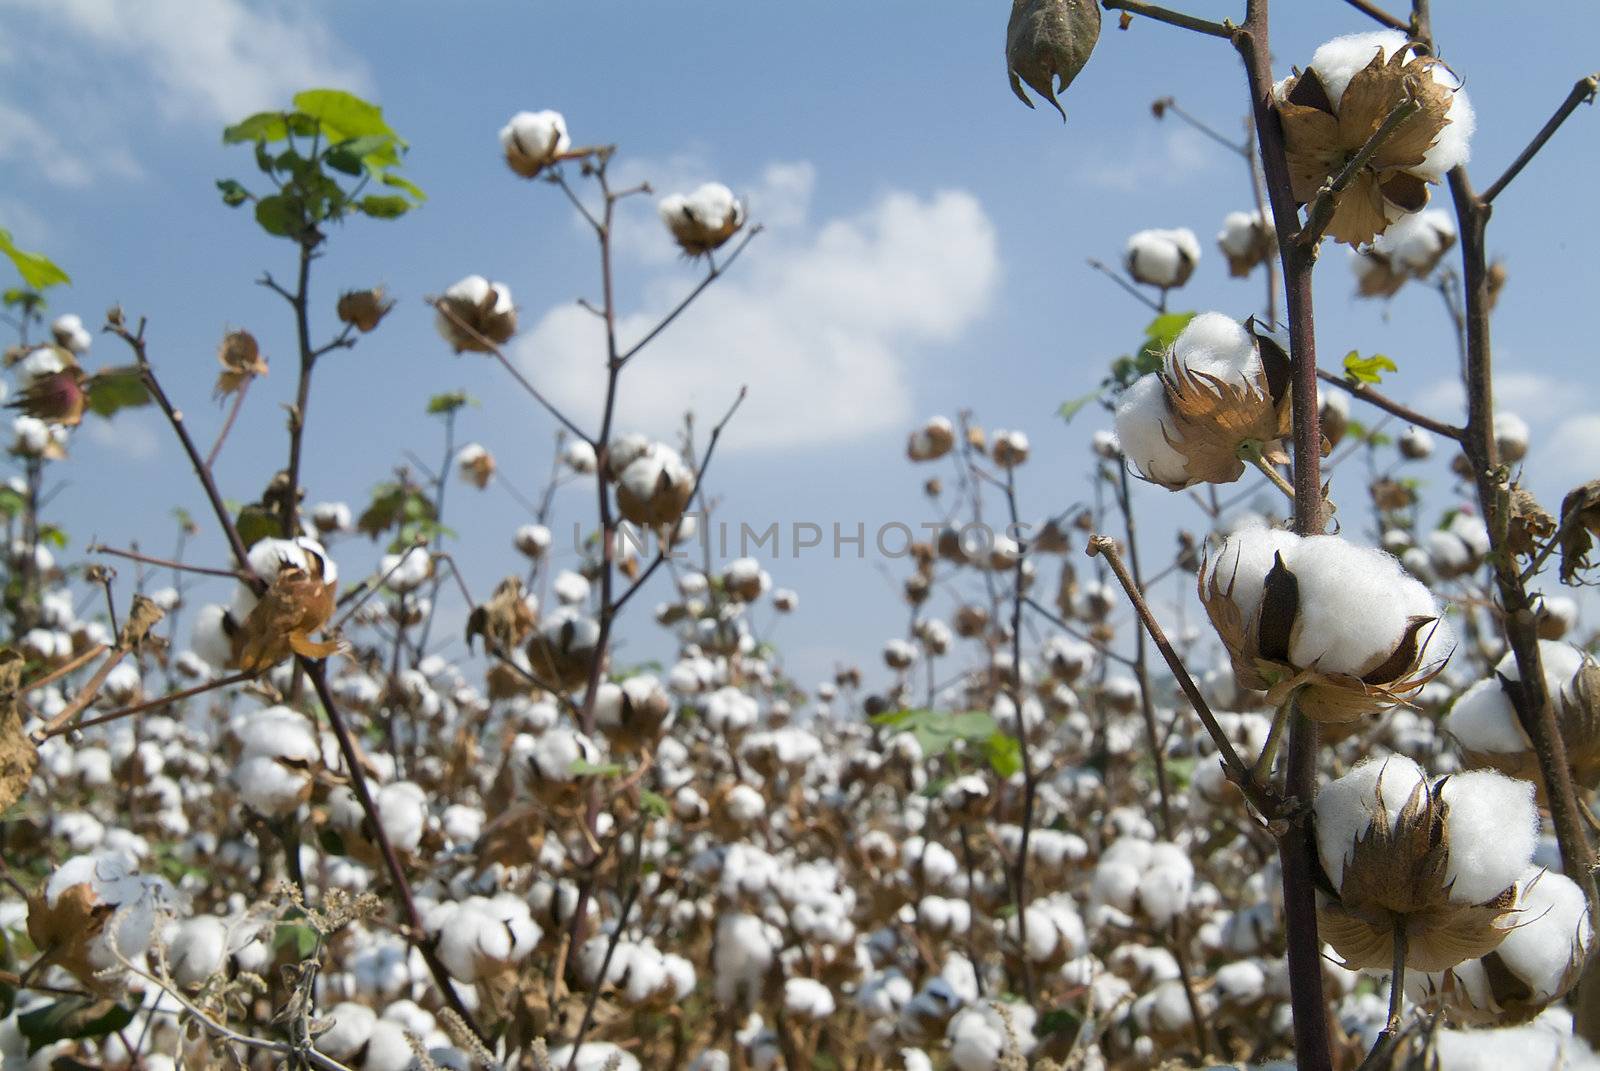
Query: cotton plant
x=1164 y=259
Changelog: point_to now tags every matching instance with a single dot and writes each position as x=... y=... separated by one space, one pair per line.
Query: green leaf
x=262 y=126
x=71 y=1018
x=302 y=939
x=584 y=768
x=111 y=389
x=331 y=842
x=279 y=215
x=449 y=402
x=938 y=730
x=1070 y=409
x=1004 y=753
x=55 y=536
x=343 y=115
x=1165 y=328
x=233 y=193
x=36 y=269
x=1367 y=369
x=398 y=182
x=384 y=206
x=653 y=803
x=11 y=503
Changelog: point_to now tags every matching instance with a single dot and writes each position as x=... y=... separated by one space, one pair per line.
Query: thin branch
x=1224 y=29
x=162 y=701
x=1144 y=299
x=227 y=423
x=1258 y=795
x=1320 y=214
x=1170 y=104
x=1389 y=405
x=716 y=271
x=1382 y=16
x=165 y=563
x=1582 y=93
x=1077 y=633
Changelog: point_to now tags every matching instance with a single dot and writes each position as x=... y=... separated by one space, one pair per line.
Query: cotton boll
x=1164 y=258
x=570 y=588
x=1244 y=562
x=1416 y=241
x=68 y=331
x=407 y=571
x=198 y=950
x=807 y=999
x=1511 y=435
x=1355 y=603
x=387 y=1048
x=1553 y=932
x=1492 y=826
x=269 y=786
x=533 y=541
x=532 y=141
x=1144 y=428
x=1217 y=345
x=1344 y=807
x=1339 y=60
x=1483 y=719
x=594 y=1056
x=1165 y=886
x=1416 y=444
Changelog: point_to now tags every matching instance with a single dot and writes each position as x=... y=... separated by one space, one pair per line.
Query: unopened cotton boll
x=533 y=141
x=1163 y=258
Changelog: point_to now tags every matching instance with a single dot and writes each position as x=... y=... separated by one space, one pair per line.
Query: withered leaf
x=18 y=756
x=505 y=620
x=1047 y=44
x=297 y=603
x=141 y=619
x=241 y=361
x=1580 y=522
x=1530 y=525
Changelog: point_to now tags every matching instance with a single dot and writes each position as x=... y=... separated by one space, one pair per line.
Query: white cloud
x=825 y=325
x=1572 y=453
x=208 y=62
x=1535 y=397
x=133 y=436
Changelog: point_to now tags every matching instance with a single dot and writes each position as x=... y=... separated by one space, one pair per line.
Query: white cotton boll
x=1163 y=258
x=30 y=436
x=1415 y=240
x=403 y=808
x=1116 y=884
x=1239 y=229
x=1445 y=554
x=209 y=636
x=579 y=456
x=331 y=517
x=68 y=331
x=407 y=571
x=198 y=949
x=352 y=1027
x=807 y=999
x=1472 y=532
x=1560 y=661
x=387 y=1048
x=1511 y=434
x=1453 y=146
x=1344 y=807
x=1241 y=982
x=1165 y=887
x=92 y=765
x=532 y=540
x=1553 y=930
x=1483 y=719
x=1339 y=60
x=729 y=710
x=40 y=362
x=1354 y=605
x=1244 y=562
x=1144 y=426
x=1217 y=345
x=1493 y=827
x=744 y=804
x=535 y=137
x=268 y=786
x=570 y=588
x=741 y=957
x=1416 y=444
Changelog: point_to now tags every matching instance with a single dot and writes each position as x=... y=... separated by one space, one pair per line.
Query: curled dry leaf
x=296 y=604
x=241 y=362
x=1530 y=524
x=141 y=619
x=1047 y=44
x=1580 y=522
x=505 y=620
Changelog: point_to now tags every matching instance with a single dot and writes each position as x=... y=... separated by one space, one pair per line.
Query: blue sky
x=925 y=252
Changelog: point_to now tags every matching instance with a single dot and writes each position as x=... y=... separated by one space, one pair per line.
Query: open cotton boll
x=387 y=1048
x=594 y=1056
x=1165 y=886
x=1344 y=807
x=270 y=787
x=570 y=588
x=533 y=140
x=481 y=936
x=198 y=949
x=1239 y=232
x=1483 y=719
x=1144 y=426
x=1415 y=241
x=68 y=331
x=210 y=635
x=1218 y=345
x=1560 y=661
x=1355 y=605
x=743 y=952
x=1493 y=827
x=351 y=1029
x=1553 y=932
x=808 y=999
x=1511 y=435
x=1163 y=258
x=1244 y=562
